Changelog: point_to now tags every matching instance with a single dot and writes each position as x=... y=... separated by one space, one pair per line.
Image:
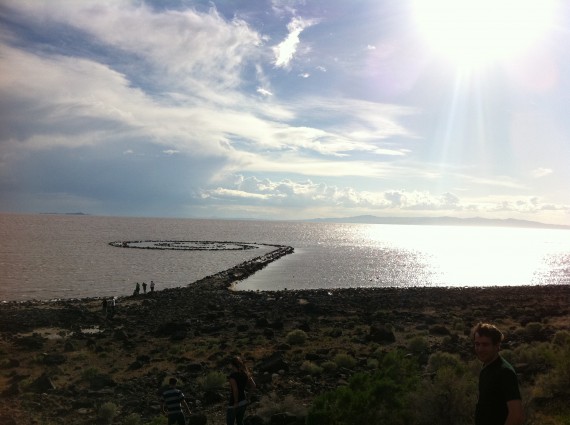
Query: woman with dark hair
x=240 y=379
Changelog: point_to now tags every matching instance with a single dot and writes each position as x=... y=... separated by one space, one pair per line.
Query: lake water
x=65 y=256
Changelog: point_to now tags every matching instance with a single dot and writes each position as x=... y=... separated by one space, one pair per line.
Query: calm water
x=52 y=256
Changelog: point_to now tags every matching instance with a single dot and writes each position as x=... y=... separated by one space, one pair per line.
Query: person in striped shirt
x=172 y=402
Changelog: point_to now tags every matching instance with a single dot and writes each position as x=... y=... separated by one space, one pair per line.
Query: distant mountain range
x=65 y=213
x=441 y=221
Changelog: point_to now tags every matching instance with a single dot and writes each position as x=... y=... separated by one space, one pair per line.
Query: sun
x=475 y=33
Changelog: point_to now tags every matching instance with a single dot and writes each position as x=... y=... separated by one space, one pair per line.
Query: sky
x=286 y=109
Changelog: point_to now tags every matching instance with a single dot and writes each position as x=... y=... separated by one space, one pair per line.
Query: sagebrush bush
x=213 y=381
x=539 y=356
x=158 y=420
x=132 y=419
x=311 y=368
x=377 y=398
x=418 y=345
x=345 y=360
x=89 y=373
x=107 y=412
x=441 y=359
x=271 y=404
x=561 y=338
x=296 y=337
x=448 y=397
x=329 y=366
x=556 y=382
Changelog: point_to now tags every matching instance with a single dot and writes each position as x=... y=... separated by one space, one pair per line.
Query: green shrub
x=158 y=420
x=447 y=398
x=296 y=337
x=271 y=404
x=107 y=412
x=372 y=363
x=439 y=360
x=329 y=366
x=311 y=368
x=213 y=381
x=132 y=419
x=561 y=338
x=539 y=356
x=89 y=373
x=345 y=360
x=556 y=382
x=378 y=398
x=418 y=345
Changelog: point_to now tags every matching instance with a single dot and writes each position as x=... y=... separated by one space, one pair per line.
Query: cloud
x=264 y=92
x=541 y=172
x=285 y=50
x=311 y=194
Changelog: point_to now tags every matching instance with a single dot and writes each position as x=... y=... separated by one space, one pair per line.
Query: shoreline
x=57 y=351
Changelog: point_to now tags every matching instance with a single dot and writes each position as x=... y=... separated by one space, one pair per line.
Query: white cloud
x=285 y=50
x=264 y=92
x=313 y=194
x=541 y=172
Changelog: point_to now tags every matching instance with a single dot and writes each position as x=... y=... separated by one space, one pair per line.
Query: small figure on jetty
x=104 y=305
x=172 y=401
x=144 y=287
x=137 y=289
x=152 y=286
x=499 y=395
x=111 y=306
x=240 y=380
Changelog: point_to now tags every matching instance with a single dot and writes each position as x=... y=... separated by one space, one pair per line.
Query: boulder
x=381 y=334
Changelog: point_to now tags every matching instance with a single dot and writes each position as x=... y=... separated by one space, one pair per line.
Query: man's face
x=485 y=349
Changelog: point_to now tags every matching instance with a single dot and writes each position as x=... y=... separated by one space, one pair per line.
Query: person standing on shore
x=112 y=307
x=240 y=379
x=499 y=400
x=152 y=286
x=144 y=287
x=172 y=401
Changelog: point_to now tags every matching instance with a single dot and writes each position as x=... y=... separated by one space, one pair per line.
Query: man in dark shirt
x=499 y=396
x=173 y=400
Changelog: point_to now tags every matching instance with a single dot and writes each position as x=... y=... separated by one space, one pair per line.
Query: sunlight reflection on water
x=46 y=257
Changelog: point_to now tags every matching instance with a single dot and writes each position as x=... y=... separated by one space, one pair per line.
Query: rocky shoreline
x=63 y=361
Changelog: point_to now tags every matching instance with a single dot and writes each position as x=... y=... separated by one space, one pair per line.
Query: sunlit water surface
x=54 y=256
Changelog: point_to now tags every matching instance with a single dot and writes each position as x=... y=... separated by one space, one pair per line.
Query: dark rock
x=197 y=419
x=10 y=363
x=69 y=347
x=54 y=359
x=12 y=390
x=101 y=381
x=121 y=335
x=193 y=367
x=33 y=342
x=269 y=333
x=170 y=328
x=42 y=384
x=135 y=365
x=439 y=330
x=381 y=334
x=7 y=420
x=272 y=364
x=286 y=418
x=253 y=420
x=261 y=323
x=212 y=397
x=242 y=328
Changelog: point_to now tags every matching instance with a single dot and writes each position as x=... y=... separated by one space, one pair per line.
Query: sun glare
x=473 y=33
